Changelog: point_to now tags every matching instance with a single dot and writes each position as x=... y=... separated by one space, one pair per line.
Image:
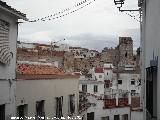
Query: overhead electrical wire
x=65 y=12
x=134 y=17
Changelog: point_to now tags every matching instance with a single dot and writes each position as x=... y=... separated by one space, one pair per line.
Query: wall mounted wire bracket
x=121 y=2
x=136 y=10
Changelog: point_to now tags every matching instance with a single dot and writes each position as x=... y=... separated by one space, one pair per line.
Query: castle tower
x=125 y=50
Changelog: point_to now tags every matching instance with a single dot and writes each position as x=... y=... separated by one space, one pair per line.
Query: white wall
x=31 y=91
x=99 y=112
x=137 y=115
x=150 y=42
x=126 y=82
x=25 y=45
x=98 y=78
x=7 y=72
x=108 y=74
x=90 y=88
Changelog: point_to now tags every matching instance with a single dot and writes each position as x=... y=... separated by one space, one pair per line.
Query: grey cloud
x=91 y=41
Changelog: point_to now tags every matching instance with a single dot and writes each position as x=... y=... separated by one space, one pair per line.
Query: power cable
x=134 y=17
x=58 y=14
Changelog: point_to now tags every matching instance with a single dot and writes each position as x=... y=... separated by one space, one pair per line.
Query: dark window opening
x=22 y=111
x=2 y=112
x=100 y=76
x=133 y=92
x=119 y=81
x=151 y=91
x=59 y=106
x=71 y=104
x=84 y=88
x=40 y=113
x=125 y=117
x=105 y=118
x=95 y=88
x=90 y=116
x=132 y=82
x=126 y=54
x=116 y=117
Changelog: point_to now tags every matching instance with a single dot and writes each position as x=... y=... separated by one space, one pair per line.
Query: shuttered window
x=5 y=54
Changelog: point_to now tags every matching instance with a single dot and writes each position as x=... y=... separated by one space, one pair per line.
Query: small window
x=116 y=117
x=22 y=111
x=40 y=113
x=2 y=112
x=106 y=86
x=59 y=106
x=71 y=104
x=100 y=76
x=133 y=92
x=126 y=54
x=105 y=118
x=120 y=82
x=95 y=88
x=84 y=88
x=125 y=117
x=132 y=82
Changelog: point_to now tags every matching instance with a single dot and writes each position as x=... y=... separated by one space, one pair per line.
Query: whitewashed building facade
x=8 y=39
x=44 y=91
x=150 y=52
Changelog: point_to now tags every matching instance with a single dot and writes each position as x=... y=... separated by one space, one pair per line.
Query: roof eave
x=19 y=16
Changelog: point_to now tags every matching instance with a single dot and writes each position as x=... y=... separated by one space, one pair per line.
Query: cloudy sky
x=96 y=26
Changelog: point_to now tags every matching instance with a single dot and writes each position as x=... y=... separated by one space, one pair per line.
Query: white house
x=150 y=52
x=46 y=91
x=62 y=47
x=8 y=40
x=127 y=80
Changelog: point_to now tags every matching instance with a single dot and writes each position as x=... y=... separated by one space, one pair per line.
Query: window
x=100 y=76
x=133 y=92
x=106 y=85
x=125 y=117
x=132 y=82
x=71 y=104
x=95 y=89
x=59 y=106
x=151 y=90
x=5 y=54
x=116 y=117
x=126 y=54
x=40 y=114
x=22 y=111
x=105 y=118
x=90 y=116
x=119 y=81
x=84 y=88
x=2 y=112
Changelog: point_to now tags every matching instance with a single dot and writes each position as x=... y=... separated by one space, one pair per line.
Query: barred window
x=5 y=54
x=40 y=113
x=59 y=106
x=71 y=104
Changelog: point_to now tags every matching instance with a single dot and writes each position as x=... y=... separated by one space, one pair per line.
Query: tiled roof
x=4 y=5
x=98 y=70
x=32 y=69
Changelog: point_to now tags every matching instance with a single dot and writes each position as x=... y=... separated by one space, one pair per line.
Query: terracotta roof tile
x=98 y=70
x=32 y=69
